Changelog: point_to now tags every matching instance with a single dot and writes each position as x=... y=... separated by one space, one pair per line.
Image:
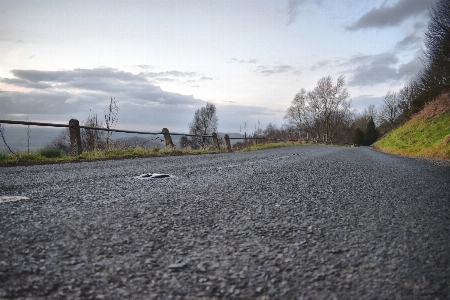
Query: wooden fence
x=75 y=134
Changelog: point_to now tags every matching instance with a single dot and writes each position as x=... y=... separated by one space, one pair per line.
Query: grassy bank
x=270 y=145
x=52 y=156
x=41 y=157
x=420 y=137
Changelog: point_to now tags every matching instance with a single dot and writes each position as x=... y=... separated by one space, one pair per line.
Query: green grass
x=51 y=153
x=4 y=157
x=55 y=156
x=270 y=145
x=420 y=138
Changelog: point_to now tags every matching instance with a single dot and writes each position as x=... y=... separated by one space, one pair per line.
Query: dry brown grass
x=434 y=108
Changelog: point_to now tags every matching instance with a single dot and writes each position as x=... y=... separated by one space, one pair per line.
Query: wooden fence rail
x=75 y=134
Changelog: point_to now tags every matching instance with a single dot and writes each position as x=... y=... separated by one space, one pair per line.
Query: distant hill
x=146 y=143
x=17 y=139
x=426 y=134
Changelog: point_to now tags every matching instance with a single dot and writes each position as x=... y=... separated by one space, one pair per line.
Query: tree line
x=431 y=81
x=325 y=113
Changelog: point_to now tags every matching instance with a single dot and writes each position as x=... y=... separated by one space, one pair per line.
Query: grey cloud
x=293 y=9
x=391 y=15
x=321 y=64
x=420 y=25
x=375 y=69
x=269 y=70
x=83 y=89
x=165 y=79
x=384 y=58
x=38 y=76
x=173 y=73
x=41 y=102
x=411 y=41
x=411 y=68
x=66 y=76
x=241 y=61
x=139 y=101
x=145 y=67
x=293 y=6
x=25 y=83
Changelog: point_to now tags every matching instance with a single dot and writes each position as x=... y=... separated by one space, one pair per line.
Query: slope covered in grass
x=427 y=134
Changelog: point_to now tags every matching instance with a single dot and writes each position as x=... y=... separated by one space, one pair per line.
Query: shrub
x=4 y=156
x=51 y=153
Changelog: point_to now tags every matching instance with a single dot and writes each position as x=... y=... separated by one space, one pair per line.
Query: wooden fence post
x=168 y=138
x=227 y=142
x=75 y=138
x=215 y=140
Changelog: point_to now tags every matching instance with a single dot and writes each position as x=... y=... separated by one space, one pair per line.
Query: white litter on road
x=5 y=199
x=154 y=176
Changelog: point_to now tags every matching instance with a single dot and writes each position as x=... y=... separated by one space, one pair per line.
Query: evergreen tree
x=359 y=137
x=372 y=133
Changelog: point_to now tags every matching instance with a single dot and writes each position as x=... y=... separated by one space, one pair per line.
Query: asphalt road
x=301 y=222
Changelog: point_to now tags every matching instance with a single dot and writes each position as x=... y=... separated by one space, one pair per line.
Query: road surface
x=304 y=222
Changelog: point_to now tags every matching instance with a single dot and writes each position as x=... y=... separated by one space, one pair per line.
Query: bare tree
x=390 y=111
x=204 y=123
x=371 y=112
x=111 y=120
x=28 y=136
x=185 y=142
x=2 y=135
x=92 y=139
x=323 y=111
x=332 y=101
x=271 y=132
x=437 y=41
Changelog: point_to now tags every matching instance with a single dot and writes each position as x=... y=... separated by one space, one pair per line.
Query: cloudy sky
x=163 y=59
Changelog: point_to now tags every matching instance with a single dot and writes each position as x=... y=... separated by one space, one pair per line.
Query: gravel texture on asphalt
x=304 y=222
